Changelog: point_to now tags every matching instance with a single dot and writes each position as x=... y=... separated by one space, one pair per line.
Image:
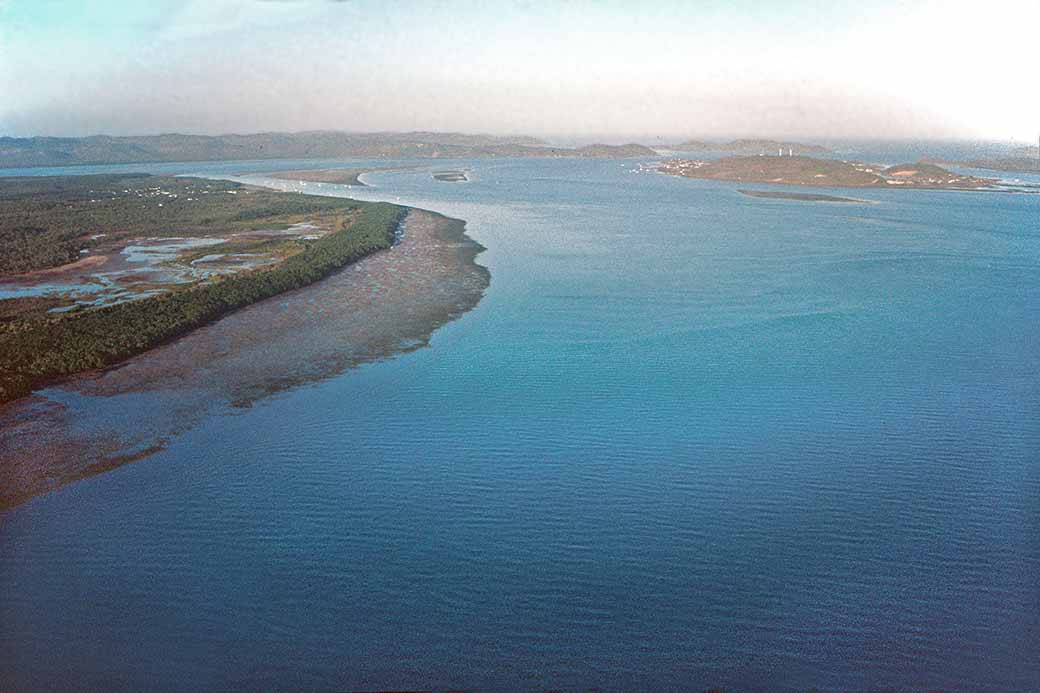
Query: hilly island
x=809 y=171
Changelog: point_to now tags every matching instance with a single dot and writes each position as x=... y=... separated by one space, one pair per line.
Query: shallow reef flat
x=804 y=197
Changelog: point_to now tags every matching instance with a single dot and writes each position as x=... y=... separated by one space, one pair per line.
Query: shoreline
x=383 y=305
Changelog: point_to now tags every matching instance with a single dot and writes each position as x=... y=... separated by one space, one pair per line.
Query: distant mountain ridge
x=751 y=146
x=611 y=150
x=1020 y=160
x=105 y=149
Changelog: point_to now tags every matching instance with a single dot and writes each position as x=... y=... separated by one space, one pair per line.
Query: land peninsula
x=828 y=173
x=95 y=269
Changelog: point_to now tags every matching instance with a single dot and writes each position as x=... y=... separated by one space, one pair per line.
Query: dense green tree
x=42 y=350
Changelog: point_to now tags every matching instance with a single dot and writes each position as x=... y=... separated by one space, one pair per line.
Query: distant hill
x=1023 y=160
x=929 y=175
x=751 y=146
x=616 y=151
x=1013 y=164
x=921 y=169
x=461 y=139
x=103 y=149
x=793 y=170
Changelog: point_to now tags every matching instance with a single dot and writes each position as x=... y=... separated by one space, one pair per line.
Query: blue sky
x=824 y=69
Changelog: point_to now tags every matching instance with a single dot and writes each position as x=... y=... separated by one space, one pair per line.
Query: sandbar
x=804 y=197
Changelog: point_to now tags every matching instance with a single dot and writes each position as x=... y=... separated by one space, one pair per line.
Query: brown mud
x=387 y=303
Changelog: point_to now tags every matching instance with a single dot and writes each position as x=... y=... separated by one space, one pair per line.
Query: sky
x=955 y=69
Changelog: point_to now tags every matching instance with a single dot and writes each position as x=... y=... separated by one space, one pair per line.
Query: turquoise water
x=688 y=439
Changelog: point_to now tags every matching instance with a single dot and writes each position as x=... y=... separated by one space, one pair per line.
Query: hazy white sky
x=834 y=69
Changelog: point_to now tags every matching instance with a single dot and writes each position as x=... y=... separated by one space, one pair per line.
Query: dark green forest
x=35 y=352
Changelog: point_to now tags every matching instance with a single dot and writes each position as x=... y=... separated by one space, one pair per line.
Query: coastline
x=387 y=303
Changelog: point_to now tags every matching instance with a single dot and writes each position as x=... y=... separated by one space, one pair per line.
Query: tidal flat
x=386 y=303
x=803 y=197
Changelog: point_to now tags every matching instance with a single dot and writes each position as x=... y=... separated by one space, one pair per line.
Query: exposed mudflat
x=389 y=302
x=804 y=197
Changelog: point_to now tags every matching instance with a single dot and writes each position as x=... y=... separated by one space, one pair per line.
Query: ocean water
x=688 y=439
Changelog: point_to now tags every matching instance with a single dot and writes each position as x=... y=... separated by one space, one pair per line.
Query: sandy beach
x=389 y=302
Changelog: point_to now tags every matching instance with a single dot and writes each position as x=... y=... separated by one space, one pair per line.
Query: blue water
x=688 y=439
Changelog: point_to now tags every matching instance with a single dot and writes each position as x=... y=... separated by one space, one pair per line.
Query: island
x=832 y=173
x=95 y=269
x=450 y=176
